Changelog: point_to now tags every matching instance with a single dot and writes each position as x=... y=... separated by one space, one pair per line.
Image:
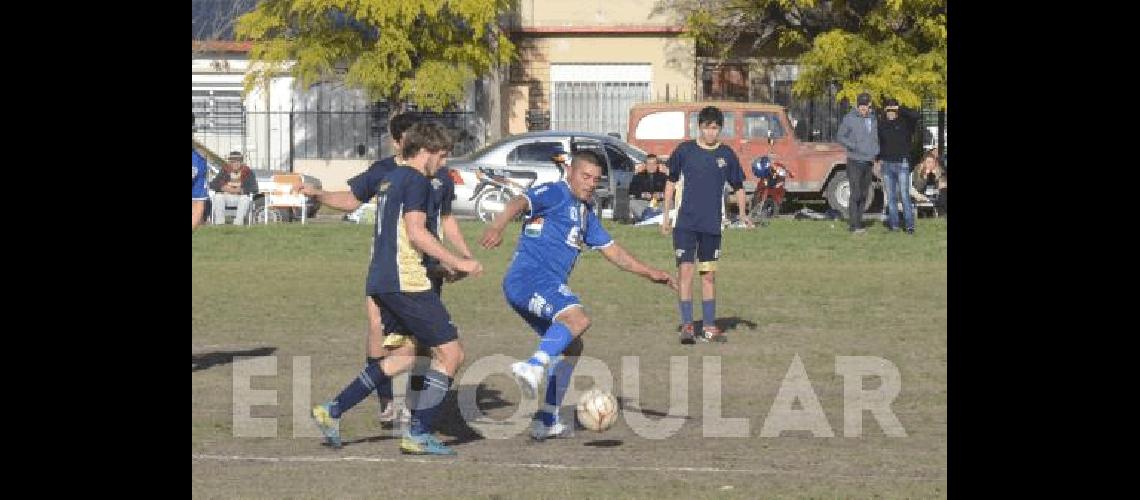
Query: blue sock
x=384 y=388
x=709 y=307
x=557 y=381
x=429 y=401
x=553 y=342
x=686 y=311
x=365 y=383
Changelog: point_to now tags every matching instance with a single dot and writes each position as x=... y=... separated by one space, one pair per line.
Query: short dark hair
x=588 y=157
x=425 y=135
x=400 y=123
x=650 y=155
x=710 y=114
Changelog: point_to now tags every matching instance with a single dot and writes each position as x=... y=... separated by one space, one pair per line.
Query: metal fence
x=273 y=140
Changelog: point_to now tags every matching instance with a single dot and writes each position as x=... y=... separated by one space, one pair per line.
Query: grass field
x=805 y=288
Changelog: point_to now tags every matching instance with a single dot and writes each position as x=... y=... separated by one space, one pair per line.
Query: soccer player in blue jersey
x=701 y=167
x=559 y=221
x=398 y=281
x=198 y=194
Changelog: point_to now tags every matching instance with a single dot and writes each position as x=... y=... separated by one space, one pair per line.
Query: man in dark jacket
x=858 y=132
x=233 y=186
x=896 y=135
x=640 y=192
x=647 y=188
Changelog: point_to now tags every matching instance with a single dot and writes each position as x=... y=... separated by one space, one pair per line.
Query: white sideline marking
x=234 y=458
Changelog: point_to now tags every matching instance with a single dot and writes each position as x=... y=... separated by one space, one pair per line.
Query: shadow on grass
x=211 y=359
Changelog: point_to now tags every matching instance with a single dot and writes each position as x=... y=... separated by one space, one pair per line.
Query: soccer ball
x=597 y=410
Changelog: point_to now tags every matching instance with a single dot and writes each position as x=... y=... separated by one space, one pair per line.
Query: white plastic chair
x=283 y=192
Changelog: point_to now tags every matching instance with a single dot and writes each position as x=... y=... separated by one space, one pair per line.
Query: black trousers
x=859 y=175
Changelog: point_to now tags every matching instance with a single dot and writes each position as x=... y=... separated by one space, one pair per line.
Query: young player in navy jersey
x=701 y=168
x=559 y=221
x=398 y=281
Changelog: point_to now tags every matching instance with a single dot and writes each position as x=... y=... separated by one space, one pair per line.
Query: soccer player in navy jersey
x=701 y=167
x=559 y=220
x=398 y=281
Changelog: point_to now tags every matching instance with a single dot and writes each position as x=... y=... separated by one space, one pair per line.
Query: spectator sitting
x=929 y=179
x=233 y=185
x=640 y=191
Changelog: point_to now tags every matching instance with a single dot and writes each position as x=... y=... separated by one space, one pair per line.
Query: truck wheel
x=838 y=193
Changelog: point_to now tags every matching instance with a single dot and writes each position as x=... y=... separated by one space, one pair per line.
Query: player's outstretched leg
x=327 y=415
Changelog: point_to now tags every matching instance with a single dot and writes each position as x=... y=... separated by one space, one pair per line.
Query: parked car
x=526 y=159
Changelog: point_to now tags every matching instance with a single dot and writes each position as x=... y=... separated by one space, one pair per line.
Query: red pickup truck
x=818 y=168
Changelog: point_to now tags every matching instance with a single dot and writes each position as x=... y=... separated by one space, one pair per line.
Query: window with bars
x=598 y=107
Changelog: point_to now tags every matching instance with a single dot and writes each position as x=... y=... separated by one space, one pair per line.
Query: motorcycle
x=495 y=189
x=769 y=194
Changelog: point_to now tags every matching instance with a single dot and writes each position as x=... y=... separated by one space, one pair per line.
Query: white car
x=526 y=160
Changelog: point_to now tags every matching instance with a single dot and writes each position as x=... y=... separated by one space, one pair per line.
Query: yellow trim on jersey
x=395 y=340
x=709 y=148
x=409 y=261
x=706 y=267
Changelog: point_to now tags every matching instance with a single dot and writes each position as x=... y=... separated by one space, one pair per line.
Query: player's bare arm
x=425 y=242
x=341 y=200
x=453 y=235
x=622 y=258
x=743 y=211
x=493 y=235
x=666 y=224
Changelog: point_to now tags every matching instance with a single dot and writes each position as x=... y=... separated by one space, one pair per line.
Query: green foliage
x=425 y=51
x=890 y=48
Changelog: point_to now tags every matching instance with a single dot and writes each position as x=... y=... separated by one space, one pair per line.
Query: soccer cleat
x=527 y=375
x=712 y=334
x=687 y=334
x=540 y=432
x=423 y=444
x=328 y=425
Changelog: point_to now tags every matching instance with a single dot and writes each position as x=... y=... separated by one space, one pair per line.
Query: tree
x=425 y=51
x=890 y=48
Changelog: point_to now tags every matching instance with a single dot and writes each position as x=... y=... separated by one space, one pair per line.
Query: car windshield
x=633 y=151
